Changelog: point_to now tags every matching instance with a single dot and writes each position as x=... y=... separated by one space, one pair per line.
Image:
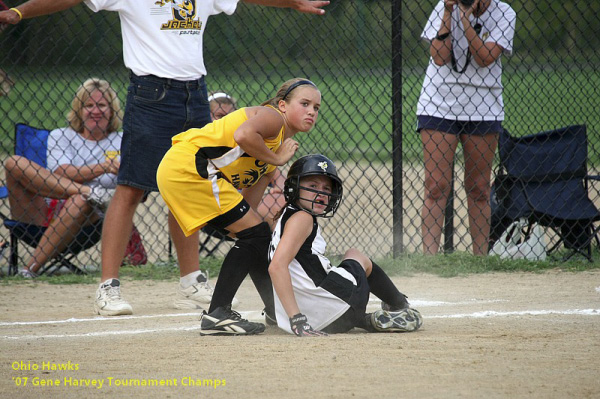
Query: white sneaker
x=101 y=196
x=109 y=301
x=198 y=295
x=27 y=274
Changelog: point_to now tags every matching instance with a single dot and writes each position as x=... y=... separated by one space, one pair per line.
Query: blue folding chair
x=543 y=177
x=32 y=143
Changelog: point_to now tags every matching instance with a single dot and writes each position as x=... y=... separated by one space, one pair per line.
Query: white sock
x=189 y=279
x=33 y=268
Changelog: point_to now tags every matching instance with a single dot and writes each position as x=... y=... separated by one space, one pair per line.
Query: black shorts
x=474 y=128
x=221 y=222
x=357 y=298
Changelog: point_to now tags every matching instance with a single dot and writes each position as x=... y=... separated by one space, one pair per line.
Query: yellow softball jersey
x=200 y=175
x=218 y=153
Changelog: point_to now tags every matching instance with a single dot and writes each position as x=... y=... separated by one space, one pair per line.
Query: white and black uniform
x=323 y=292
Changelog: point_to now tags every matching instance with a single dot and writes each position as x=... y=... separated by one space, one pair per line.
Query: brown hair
x=285 y=92
x=83 y=93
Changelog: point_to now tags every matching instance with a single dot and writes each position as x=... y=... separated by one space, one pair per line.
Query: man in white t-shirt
x=461 y=102
x=162 y=47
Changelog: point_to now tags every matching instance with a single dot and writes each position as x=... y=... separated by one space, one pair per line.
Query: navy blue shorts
x=357 y=299
x=156 y=110
x=475 y=128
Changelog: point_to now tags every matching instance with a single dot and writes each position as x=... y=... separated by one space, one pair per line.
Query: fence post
x=449 y=218
x=397 y=210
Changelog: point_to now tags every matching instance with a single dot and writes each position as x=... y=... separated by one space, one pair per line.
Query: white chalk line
x=99 y=318
x=255 y=315
x=491 y=313
x=422 y=303
x=103 y=333
x=251 y=315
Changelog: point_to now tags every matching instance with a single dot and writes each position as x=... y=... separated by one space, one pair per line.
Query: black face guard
x=332 y=204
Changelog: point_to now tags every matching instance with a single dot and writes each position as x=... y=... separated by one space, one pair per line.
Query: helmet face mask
x=314 y=165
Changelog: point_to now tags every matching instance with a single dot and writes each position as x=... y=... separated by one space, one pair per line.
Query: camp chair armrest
x=593 y=177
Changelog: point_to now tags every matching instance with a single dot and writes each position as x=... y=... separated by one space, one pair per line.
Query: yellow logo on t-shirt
x=111 y=154
x=183 y=15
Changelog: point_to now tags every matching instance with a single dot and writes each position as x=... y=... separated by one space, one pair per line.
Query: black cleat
x=224 y=321
x=406 y=320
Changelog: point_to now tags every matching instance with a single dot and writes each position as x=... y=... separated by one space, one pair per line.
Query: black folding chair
x=543 y=177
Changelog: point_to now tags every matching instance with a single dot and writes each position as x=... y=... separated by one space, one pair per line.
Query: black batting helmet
x=314 y=165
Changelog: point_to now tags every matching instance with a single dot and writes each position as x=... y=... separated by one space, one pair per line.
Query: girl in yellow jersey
x=199 y=178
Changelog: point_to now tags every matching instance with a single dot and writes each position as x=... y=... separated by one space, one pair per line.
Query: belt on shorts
x=168 y=81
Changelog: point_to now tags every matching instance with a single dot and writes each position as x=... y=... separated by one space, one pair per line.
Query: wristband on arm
x=19 y=13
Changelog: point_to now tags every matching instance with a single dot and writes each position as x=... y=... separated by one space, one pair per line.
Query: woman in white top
x=461 y=101
x=83 y=161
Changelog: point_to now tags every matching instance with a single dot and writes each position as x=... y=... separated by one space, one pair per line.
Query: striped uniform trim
x=210 y=159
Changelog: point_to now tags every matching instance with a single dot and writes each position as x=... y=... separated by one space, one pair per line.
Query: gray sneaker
x=198 y=295
x=101 y=196
x=405 y=320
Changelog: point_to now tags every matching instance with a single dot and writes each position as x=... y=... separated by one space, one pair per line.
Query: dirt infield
x=493 y=335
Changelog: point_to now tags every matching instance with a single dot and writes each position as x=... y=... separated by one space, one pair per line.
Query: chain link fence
x=550 y=81
x=369 y=61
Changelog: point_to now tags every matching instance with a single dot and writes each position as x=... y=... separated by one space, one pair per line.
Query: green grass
x=460 y=264
x=450 y=265
x=159 y=272
x=355 y=120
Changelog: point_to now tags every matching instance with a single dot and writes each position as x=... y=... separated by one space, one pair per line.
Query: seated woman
x=83 y=161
